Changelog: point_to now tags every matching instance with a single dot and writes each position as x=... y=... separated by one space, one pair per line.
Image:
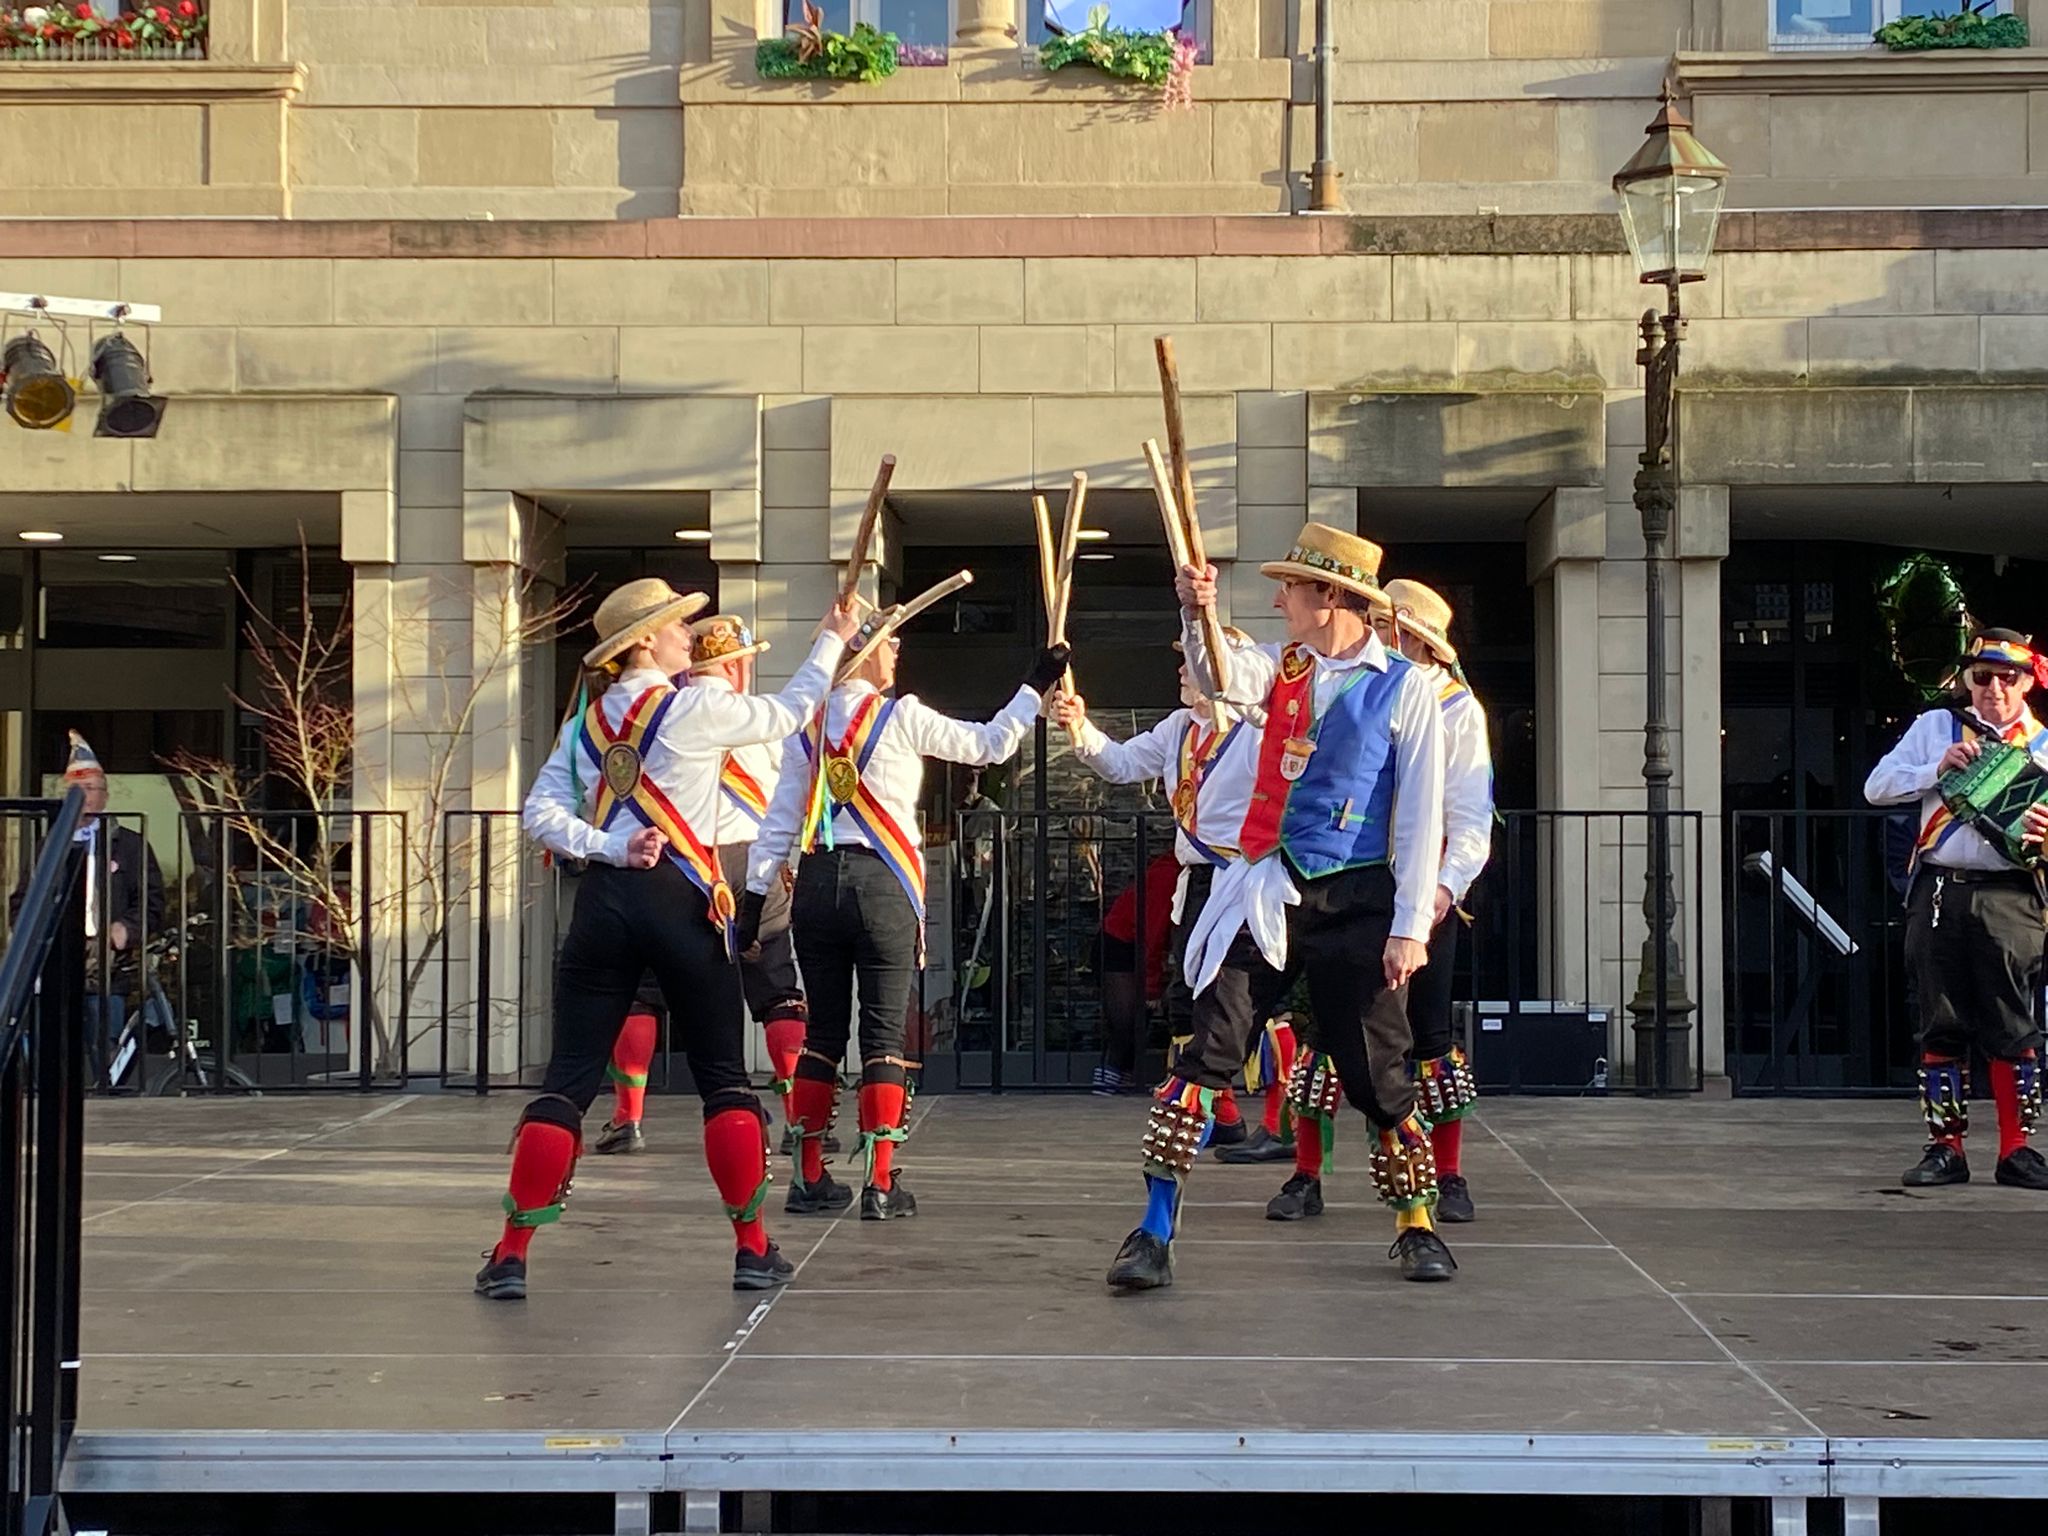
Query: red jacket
x=1121 y=921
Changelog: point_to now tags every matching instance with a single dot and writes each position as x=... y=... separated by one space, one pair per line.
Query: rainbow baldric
x=864 y=810
x=743 y=790
x=1196 y=758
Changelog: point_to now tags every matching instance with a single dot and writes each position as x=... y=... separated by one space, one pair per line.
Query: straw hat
x=634 y=612
x=1323 y=553
x=722 y=638
x=1423 y=613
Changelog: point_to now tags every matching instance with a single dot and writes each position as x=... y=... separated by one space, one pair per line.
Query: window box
x=1851 y=25
x=109 y=32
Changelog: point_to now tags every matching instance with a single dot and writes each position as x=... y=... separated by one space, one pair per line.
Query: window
x=916 y=23
x=1040 y=16
x=1846 y=24
x=156 y=601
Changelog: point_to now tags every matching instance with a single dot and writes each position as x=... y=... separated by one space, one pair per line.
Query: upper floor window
x=1845 y=24
x=923 y=24
x=103 y=30
x=1043 y=17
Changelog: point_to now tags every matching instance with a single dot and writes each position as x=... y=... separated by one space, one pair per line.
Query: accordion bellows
x=1992 y=794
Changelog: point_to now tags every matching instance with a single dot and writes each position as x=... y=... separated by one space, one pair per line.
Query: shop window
x=159 y=601
x=1848 y=24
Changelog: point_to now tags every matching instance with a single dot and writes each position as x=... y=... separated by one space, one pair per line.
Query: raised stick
x=1070 y=543
x=1048 y=560
x=1177 y=550
x=1184 y=487
x=864 y=535
x=903 y=614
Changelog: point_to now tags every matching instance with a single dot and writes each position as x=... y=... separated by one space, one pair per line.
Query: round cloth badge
x=842 y=779
x=622 y=769
x=1184 y=802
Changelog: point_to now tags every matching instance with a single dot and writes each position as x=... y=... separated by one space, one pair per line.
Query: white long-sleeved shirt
x=1225 y=790
x=683 y=759
x=1468 y=784
x=895 y=771
x=1255 y=896
x=762 y=761
x=1912 y=769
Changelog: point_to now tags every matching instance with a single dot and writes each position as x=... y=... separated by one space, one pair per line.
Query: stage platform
x=1692 y=1298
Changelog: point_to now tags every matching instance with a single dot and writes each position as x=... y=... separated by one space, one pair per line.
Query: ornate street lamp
x=1671 y=192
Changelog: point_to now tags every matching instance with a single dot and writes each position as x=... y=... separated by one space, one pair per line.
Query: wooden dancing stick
x=1070 y=543
x=1048 y=560
x=1177 y=550
x=1049 y=570
x=864 y=535
x=901 y=615
x=1184 y=495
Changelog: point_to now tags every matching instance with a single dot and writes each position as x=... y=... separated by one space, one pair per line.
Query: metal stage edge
x=633 y=1466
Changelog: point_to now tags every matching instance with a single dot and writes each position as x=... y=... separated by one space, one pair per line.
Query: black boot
x=2024 y=1169
x=1940 y=1164
x=1300 y=1196
x=891 y=1204
x=1261 y=1147
x=761 y=1271
x=1232 y=1135
x=501 y=1279
x=1453 y=1198
x=1423 y=1255
x=616 y=1138
x=1144 y=1263
x=821 y=1198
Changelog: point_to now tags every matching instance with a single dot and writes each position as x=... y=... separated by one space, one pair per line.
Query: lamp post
x=1671 y=192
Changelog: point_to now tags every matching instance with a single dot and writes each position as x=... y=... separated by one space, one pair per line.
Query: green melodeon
x=1992 y=794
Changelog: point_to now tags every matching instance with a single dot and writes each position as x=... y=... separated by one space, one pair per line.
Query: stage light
x=38 y=396
x=127 y=408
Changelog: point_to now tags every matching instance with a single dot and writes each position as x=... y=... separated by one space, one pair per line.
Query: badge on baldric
x=1294 y=664
x=842 y=779
x=1294 y=755
x=622 y=769
x=1184 y=802
x=723 y=907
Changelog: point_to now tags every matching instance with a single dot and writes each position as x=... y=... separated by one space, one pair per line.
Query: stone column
x=1272 y=499
x=986 y=23
x=1700 y=543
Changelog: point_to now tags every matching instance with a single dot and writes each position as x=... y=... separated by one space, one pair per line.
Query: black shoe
x=1144 y=1263
x=817 y=1199
x=1453 y=1198
x=1300 y=1196
x=2024 y=1169
x=1221 y=1135
x=1262 y=1146
x=761 y=1271
x=1941 y=1164
x=1423 y=1255
x=502 y=1279
x=620 y=1138
x=891 y=1204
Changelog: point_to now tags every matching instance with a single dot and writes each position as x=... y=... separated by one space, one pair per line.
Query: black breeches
x=1974 y=951
x=854 y=923
x=1430 y=989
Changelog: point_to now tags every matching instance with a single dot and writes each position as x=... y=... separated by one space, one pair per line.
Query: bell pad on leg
x=2027 y=1073
x=1404 y=1166
x=1444 y=1087
x=1313 y=1088
x=1945 y=1098
x=1176 y=1128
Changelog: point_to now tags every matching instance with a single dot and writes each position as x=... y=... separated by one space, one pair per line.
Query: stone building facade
x=463 y=288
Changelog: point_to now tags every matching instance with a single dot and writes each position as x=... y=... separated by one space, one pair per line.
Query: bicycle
x=177 y=1063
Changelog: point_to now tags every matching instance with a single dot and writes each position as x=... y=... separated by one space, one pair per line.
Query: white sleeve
x=785 y=818
x=1418 y=806
x=932 y=734
x=1252 y=667
x=1150 y=754
x=554 y=809
x=723 y=719
x=1910 y=769
x=1468 y=797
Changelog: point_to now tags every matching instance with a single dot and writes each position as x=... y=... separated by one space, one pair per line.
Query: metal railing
x=42 y=1161
x=1819 y=995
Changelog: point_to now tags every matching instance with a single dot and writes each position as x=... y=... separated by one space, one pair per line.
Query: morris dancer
x=1974 y=921
x=848 y=798
x=653 y=899
x=1340 y=848
x=1211 y=773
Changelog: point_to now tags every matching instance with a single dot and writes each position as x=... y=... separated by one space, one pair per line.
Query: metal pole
x=1324 y=177
x=362 y=1001
x=483 y=955
x=1660 y=1004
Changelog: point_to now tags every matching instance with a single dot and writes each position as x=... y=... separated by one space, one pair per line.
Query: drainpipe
x=1323 y=177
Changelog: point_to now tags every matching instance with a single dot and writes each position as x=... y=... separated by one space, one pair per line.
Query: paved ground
x=1698 y=1268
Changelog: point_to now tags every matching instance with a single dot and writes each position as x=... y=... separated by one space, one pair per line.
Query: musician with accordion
x=1976 y=922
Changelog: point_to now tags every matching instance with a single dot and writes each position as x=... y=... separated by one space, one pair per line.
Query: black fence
x=42 y=1159
x=1818 y=993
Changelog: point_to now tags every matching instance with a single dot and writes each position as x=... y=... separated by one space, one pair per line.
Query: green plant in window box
x=809 y=52
x=1147 y=57
x=1970 y=26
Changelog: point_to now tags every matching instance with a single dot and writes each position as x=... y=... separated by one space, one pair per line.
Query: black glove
x=1050 y=667
x=748 y=931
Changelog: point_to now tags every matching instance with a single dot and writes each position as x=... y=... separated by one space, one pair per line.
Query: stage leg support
x=1717 y=1517
x=633 y=1514
x=700 y=1512
x=1788 y=1517
x=1859 y=1517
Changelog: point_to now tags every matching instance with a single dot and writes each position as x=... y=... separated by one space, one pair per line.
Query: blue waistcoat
x=1339 y=813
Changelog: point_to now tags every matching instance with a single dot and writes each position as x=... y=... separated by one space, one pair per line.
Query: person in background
x=1124 y=998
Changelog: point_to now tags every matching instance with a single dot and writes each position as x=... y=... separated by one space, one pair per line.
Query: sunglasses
x=1984 y=677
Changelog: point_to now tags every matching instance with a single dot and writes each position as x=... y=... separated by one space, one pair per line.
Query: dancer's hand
x=748 y=932
x=1401 y=959
x=1443 y=905
x=1069 y=711
x=841 y=620
x=2034 y=825
x=644 y=848
x=1961 y=755
x=1195 y=589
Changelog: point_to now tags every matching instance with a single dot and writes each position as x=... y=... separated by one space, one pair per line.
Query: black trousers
x=854 y=922
x=1429 y=993
x=1338 y=936
x=768 y=970
x=1268 y=987
x=629 y=922
x=1973 y=946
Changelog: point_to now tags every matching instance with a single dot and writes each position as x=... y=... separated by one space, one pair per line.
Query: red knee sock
x=785 y=1044
x=632 y=1055
x=1447 y=1141
x=541 y=1160
x=2005 y=1093
x=1227 y=1112
x=1308 y=1148
x=810 y=1103
x=881 y=1108
x=739 y=1163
